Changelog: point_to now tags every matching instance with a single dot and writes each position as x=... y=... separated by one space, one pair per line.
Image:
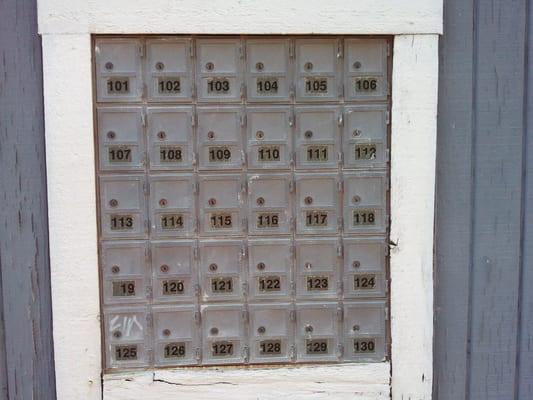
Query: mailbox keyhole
x=308 y=329
x=261 y=330
x=261 y=266
x=164 y=268
x=213 y=267
x=115 y=269
x=214 y=331
x=308 y=200
x=113 y=202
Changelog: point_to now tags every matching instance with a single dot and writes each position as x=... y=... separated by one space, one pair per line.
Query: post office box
x=366 y=69
x=317 y=332
x=121 y=139
x=222 y=275
x=172 y=205
x=123 y=207
x=317 y=69
x=168 y=69
x=176 y=335
x=364 y=331
x=220 y=138
x=267 y=70
x=118 y=70
x=270 y=333
x=317 y=268
x=317 y=203
x=269 y=204
x=365 y=197
x=125 y=272
x=317 y=137
x=270 y=268
x=365 y=136
x=219 y=70
x=174 y=271
x=224 y=337
x=221 y=201
x=364 y=272
x=126 y=337
x=170 y=138
x=269 y=132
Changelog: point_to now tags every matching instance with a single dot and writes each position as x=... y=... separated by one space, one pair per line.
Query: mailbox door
x=220 y=138
x=219 y=70
x=224 y=337
x=317 y=203
x=125 y=272
x=317 y=332
x=176 y=335
x=170 y=138
x=317 y=268
x=221 y=269
x=364 y=267
x=168 y=69
x=364 y=331
x=126 y=337
x=122 y=207
x=269 y=132
x=118 y=70
x=270 y=268
x=220 y=202
x=120 y=139
x=174 y=271
x=365 y=197
x=268 y=70
x=270 y=333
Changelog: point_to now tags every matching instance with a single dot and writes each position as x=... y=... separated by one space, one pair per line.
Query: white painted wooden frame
x=66 y=27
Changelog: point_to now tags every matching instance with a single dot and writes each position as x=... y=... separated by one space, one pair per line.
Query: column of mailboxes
x=243 y=212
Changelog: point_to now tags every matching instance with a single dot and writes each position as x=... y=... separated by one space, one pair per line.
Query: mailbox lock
x=212 y=202
x=161 y=135
x=214 y=331
x=159 y=66
x=166 y=332
x=259 y=66
x=308 y=329
x=164 y=268
x=213 y=267
x=260 y=201
x=308 y=66
x=210 y=135
x=308 y=134
x=209 y=66
x=261 y=330
x=308 y=200
x=261 y=266
x=115 y=269
x=163 y=202
x=357 y=132
x=356 y=264
x=308 y=265
x=355 y=328
x=113 y=202
x=117 y=334
x=260 y=135
x=356 y=199
x=109 y=65
x=357 y=65
x=111 y=135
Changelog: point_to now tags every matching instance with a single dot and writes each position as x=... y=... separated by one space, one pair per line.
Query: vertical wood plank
x=498 y=130
x=24 y=264
x=453 y=201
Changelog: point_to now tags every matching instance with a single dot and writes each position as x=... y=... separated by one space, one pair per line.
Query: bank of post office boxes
x=365 y=197
x=223 y=333
x=172 y=205
x=176 y=335
x=364 y=267
x=317 y=203
x=169 y=69
x=270 y=332
x=222 y=272
x=125 y=272
x=118 y=70
x=364 y=331
x=317 y=69
x=221 y=200
x=123 y=207
x=121 y=139
x=170 y=138
x=269 y=204
x=219 y=70
x=174 y=271
x=270 y=268
x=365 y=136
x=269 y=135
x=126 y=337
x=317 y=268
x=220 y=138
x=317 y=137
x=366 y=69
x=317 y=332
x=268 y=70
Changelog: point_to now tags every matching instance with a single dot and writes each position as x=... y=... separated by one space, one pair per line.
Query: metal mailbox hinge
x=197 y=317
x=141 y=50
x=340 y=350
x=245 y=315
x=148 y=254
x=340 y=313
x=143 y=112
x=386 y=310
x=291 y=49
x=192 y=49
x=340 y=119
x=388 y=50
x=198 y=355
x=387 y=117
x=149 y=292
x=195 y=250
x=149 y=321
x=340 y=250
x=340 y=185
x=292 y=315
x=340 y=49
x=242 y=51
x=246 y=354
x=146 y=188
x=197 y=290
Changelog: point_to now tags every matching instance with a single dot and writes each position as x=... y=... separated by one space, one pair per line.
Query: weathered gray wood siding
x=484 y=219
x=26 y=355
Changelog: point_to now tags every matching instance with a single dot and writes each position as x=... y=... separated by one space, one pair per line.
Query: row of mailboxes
x=275 y=137
x=233 y=69
x=228 y=204
x=257 y=333
x=228 y=270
